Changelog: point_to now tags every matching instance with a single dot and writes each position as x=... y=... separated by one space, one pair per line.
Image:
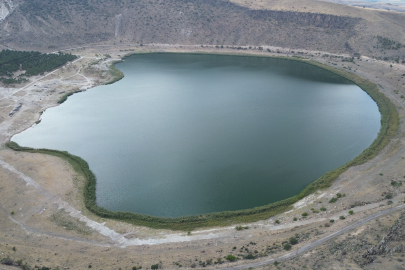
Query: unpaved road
x=316 y=243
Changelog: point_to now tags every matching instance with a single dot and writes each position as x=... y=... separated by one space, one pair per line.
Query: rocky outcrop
x=387 y=244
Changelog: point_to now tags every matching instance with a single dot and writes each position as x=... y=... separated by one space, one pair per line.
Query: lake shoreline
x=387 y=131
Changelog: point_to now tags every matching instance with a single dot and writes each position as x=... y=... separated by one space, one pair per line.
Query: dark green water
x=190 y=134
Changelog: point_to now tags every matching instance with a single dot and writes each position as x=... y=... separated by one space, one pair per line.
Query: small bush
x=388 y=196
x=305 y=214
x=240 y=228
x=287 y=247
x=323 y=209
x=389 y=202
x=396 y=184
x=12 y=213
x=156 y=266
x=381 y=174
x=327 y=225
x=332 y=220
x=250 y=256
x=333 y=200
x=7 y=261
x=351 y=212
x=231 y=258
x=339 y=195
x=277 y=221
x=276 y=263
x=342 y=217
x=295 y=219
x=293 y=241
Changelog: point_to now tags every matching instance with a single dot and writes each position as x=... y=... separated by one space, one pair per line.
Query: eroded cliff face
x=43 y=24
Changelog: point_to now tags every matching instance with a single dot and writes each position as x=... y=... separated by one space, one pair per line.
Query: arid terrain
x=43 y=221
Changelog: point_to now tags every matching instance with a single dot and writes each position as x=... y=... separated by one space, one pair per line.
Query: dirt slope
x=308 y=24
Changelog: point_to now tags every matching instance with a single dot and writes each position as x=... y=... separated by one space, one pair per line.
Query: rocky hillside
x=51 y=25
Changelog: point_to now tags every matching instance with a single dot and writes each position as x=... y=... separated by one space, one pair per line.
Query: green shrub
x=277 y=221
x=293 y=241
x=249 y=256
x=240 y=228
x=396 y=184
x=287 y=247
x=342 y=217
x=351 y=212
x=305 y=214
x=323 y=209
x=333 y=200
x=7 y=261
x=295 y=219
x=332 y=220
x=231 y=258
x=339 y=195
x=388 y=196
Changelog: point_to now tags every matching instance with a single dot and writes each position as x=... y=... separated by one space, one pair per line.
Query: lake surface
x=186 y=134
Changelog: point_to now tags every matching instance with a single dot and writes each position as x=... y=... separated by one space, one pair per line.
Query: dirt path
x=316 y=243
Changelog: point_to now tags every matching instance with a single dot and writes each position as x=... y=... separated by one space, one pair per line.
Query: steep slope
x=49 y=24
